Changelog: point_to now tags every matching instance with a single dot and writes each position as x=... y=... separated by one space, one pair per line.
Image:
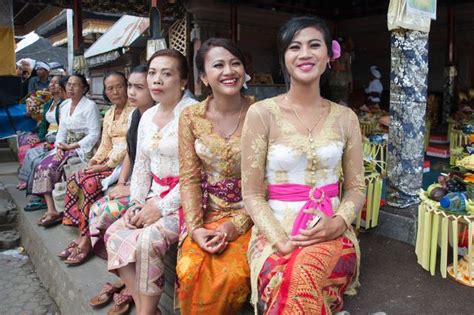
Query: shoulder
x=341 y=110
x=184 y=103
x=195 y=110
x=266 y=107
x=148 y=114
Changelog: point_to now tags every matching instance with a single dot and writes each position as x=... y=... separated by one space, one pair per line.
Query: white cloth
x=375 y=72
x=86 y=119
x=44 y=65
x=51 y=116
x=157 y=154
x=374 y=86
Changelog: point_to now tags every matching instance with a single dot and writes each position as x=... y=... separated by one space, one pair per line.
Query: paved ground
x=20 y=289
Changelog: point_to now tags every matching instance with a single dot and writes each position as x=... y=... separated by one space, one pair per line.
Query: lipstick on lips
x=306 y=66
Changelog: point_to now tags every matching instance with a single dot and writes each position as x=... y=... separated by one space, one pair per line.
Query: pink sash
x=318 y=198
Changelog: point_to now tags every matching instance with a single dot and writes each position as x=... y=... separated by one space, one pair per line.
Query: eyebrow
x=222 y=60
x=308 y=41
x=163 y=69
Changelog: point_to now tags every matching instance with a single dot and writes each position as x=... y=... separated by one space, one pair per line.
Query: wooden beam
x=77 y=24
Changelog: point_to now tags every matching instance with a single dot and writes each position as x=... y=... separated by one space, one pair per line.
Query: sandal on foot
x=68 y=250
x=106 y=294
x=122 y=304
x=52 y=220
x=21 y=185
x=40 y=221
x=36 y=205
x=77 y=257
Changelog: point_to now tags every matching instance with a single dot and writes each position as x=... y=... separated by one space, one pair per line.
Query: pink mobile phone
x=312 y=223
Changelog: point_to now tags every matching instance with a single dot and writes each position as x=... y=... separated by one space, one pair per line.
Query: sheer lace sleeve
x=105 y=143
x=353 y=197
x=242 y=221
x=141 y=176
x=254 y=153
x=189 y=173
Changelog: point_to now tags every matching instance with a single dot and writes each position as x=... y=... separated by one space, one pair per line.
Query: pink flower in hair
x=336 y=50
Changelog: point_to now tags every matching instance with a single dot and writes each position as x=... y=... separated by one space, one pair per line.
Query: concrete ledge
x=398 y=224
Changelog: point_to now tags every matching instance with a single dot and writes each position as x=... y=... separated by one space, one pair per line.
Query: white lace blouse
x=85 y=119
x=157 y=154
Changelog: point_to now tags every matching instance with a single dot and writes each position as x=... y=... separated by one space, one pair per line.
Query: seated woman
x=84 y=187
x=47 y=126
x=295 y=147
x=110 y=208
x=136 y=243
x=77 y=135
x=212 y=267
x=47 y=135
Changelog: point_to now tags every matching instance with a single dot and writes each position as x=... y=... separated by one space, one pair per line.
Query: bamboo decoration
x=434 y=230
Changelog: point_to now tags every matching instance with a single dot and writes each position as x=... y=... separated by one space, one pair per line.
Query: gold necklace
x=310 y=130
x=228 y=136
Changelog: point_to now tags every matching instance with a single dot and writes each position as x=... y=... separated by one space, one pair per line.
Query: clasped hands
x=93 y=167
x=61 y=148
x=215 y=241
x=327 y=229
x=142 y=215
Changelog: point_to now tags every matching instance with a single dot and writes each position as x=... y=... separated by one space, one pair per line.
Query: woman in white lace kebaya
x=137 y=243
x=295 y=149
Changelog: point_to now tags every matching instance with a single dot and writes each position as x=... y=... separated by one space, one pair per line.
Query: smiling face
x=138 y=92
x=306 y=57
x=164 y=79
x=223 y=71
x=116 y=90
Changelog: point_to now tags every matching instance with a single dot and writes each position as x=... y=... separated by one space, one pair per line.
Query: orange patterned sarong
x=213 y=284
x=311 y=280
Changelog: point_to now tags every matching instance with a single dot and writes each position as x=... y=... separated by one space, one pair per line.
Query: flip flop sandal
x=68 y=250
x=106 y=294
x=40 y=221
x=77 y=257
x=122 y=304
x=52 y=221
x=37 y=199
x=21 y=186
x=35 y=205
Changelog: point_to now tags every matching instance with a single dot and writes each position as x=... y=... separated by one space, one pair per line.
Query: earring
x=182 y=88
x=329 y=64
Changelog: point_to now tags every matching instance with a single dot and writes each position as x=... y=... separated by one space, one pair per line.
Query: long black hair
x=136 y=116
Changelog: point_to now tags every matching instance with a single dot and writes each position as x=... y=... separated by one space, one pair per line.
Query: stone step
x=72 y=287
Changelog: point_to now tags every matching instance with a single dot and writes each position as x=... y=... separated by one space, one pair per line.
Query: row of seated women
x=249 y=192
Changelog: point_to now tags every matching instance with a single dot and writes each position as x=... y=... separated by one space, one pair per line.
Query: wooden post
x=80 y=65
x=155 y=40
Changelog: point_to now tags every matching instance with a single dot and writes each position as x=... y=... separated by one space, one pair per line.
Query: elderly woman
x=46 y=133
x=136 y=244
x=85 y=187
x=77 y=135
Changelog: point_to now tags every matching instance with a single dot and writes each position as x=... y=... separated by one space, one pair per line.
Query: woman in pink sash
x=303 y=253
x=137 y=243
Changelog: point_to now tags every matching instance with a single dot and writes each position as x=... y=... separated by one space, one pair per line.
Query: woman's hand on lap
x=327 y=229
x=211 y=241
x=119 y=191
x=229 y=230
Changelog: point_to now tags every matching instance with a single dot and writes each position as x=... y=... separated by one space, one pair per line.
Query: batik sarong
x=311 y=280
x=83 y=189
x=103 y=214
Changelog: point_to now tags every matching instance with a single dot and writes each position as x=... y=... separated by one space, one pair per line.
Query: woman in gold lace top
x=295 y=147
x=212 y=265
